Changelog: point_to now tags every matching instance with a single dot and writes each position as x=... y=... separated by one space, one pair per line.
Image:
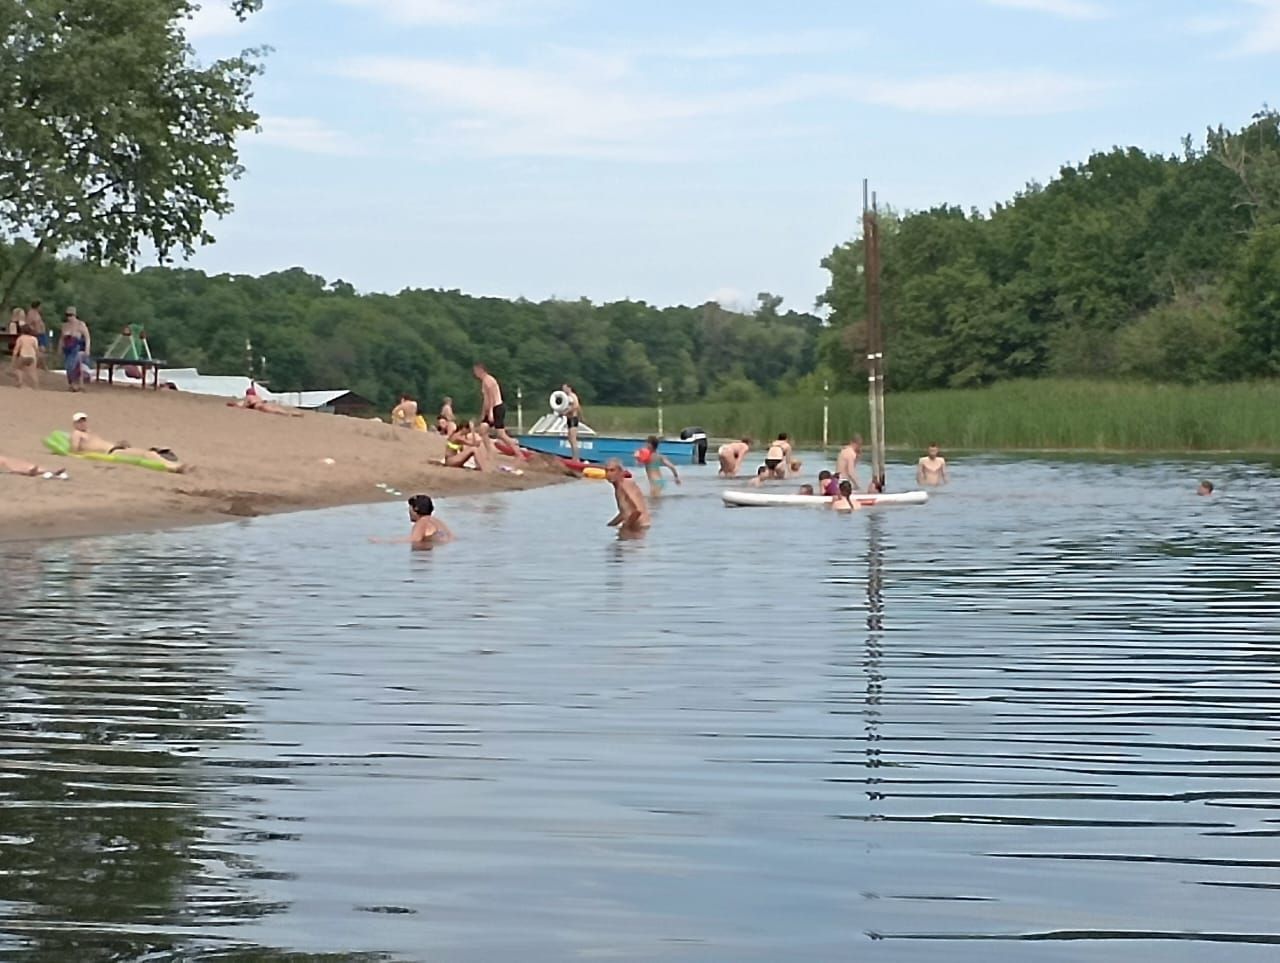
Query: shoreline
x=245 y=464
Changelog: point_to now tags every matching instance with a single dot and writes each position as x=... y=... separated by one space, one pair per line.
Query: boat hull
x=598 y=449
x=770 y=500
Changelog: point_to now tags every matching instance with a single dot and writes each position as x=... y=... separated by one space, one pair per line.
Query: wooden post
x=520 y=409
x=875 y=335
x=659 y=409
x=826 y=411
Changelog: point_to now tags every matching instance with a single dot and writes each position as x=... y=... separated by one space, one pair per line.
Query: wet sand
x=245 y=463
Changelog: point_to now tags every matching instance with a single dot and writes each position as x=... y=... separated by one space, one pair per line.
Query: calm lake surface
x=1037 y=719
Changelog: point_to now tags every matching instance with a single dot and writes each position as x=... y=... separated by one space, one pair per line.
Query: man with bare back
x=633 y=513
x=847 y=463
x=492 y=411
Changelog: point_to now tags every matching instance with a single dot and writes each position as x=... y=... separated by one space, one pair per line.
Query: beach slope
x=245 y=463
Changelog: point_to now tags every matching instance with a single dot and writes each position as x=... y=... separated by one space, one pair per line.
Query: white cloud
x=607 y=107
x=307 y=135
x=1068 y=9
x=213 y=19
x=730 y=298
x=796 y=43
x=1008 y=93
x=1253 y=28
x=439 y=12
x=1262 y=33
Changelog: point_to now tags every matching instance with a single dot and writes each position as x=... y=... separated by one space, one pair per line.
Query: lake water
x=1037 y=719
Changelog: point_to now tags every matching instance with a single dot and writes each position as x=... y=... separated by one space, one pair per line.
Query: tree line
x=295 y=330
x=1129 y=265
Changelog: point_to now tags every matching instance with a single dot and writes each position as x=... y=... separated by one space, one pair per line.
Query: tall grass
x=1044 y=414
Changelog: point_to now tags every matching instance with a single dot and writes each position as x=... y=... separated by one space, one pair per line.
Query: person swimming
x=427 y=530
x=844 y=500
x=828 y=484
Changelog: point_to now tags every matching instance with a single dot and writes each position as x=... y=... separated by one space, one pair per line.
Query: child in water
x=653 y=462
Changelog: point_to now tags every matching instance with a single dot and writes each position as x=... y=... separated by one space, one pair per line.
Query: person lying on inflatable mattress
x=85 y=441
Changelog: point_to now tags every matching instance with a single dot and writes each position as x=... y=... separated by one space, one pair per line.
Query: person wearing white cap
x=84 y=440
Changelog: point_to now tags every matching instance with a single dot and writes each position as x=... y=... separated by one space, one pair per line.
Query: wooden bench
x=145 y=364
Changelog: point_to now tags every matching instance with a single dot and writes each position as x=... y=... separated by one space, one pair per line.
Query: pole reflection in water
x=871 y=663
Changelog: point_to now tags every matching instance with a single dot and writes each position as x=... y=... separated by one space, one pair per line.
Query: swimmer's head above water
x=420 y=505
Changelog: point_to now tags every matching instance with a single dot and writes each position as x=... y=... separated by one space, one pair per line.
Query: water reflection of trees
x=114 y=665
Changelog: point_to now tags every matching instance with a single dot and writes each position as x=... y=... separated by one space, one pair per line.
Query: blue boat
x=550 y=436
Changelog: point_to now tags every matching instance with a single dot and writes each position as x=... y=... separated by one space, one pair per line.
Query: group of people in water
x=780 y=464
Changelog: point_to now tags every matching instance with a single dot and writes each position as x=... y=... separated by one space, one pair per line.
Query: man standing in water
x=633 y=513
x=932 y=468
x=572 y=418
x=731 y=455
x=492 y=411
x=847 y=463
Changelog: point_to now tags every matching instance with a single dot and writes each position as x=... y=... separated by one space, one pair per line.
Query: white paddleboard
x=768 y=499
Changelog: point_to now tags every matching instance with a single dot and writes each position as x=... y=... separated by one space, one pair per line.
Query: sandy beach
x=245 y=463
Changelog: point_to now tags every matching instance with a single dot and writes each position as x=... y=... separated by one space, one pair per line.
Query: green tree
x=113 y=134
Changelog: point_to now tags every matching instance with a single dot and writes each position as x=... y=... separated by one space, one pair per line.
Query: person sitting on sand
x=633 y=513
x=466 y=444
x=446 y=421
x=1205 y=488
x=844 y=500
x=427 y=532
x=86 y=442
x=16 y=466
x=26 y=354
x=254 y=402
x=932 y=468
x=731 y=455
x=405 y=414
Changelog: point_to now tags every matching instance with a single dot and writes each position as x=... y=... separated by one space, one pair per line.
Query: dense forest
x=309 y=333
x=1128 y=265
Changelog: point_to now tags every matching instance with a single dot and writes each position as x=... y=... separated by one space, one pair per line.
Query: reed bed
x=1029 y=415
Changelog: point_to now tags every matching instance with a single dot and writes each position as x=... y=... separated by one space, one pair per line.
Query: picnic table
x=143 y=364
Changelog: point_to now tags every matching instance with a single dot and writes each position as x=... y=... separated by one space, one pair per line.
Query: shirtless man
x=932 y=468
x=572 y=418
x=633 y=513
x=84 y=440
x=778 y=455
x=847 y=463
x=427 y=532
x=405 y=413
x=731 y=456
x=35 y=321
x=492 y=411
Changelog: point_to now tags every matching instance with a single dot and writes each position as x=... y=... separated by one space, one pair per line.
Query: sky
x=677 y=151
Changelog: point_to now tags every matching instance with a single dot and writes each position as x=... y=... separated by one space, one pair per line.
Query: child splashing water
x=653 y=462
